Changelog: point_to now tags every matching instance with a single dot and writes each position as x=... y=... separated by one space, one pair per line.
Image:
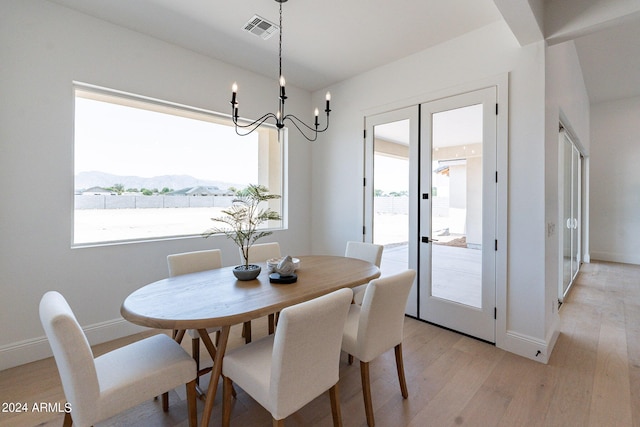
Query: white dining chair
x=261 y=252
x=367 y=252
x=99 y=388
x=376 y=326
x=193 y=262
x=285 y=371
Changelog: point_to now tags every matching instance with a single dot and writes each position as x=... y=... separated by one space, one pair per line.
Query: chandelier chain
x=280 y=44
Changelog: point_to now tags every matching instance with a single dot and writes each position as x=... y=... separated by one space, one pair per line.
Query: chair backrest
x=262 y=252
x=306 y=351
x=193 y=262
x=73 y=356
x=365 y=251
x=382 y=314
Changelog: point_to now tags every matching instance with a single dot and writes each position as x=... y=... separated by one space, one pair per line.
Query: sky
x=391 y=174
x=123 y=140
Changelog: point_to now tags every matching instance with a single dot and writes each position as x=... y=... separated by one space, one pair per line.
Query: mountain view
x=86 y=180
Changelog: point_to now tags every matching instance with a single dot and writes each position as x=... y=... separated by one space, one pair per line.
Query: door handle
x=428 y=240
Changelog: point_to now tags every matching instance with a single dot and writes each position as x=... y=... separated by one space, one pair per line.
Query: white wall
x=482 y=54
x=615 y=181
x=566 y=101
x=44 y=48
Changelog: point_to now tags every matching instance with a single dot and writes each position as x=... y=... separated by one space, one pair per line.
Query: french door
x=430 y=199
x=457 y=213
x=571 y=174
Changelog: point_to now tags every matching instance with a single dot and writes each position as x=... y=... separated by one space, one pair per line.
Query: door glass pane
x=391 y=194
x=456 y=216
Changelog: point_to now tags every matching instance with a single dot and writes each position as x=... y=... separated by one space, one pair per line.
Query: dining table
x=215 y=298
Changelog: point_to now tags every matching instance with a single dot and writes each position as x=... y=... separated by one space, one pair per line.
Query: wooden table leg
x=215 y=376
x=206 y=339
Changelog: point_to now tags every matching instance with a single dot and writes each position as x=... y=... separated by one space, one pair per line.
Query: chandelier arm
x=295 y=122
x=259 y=121
x=253 y=125
x=293 y=119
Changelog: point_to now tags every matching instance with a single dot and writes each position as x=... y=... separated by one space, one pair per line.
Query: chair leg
x=247 y=332
x=277 y=423
x=366 y=392
x=400 y=367
x=271 y=323
x=227 y=389
x=191 y=403
x=165 y=402
x=195 y=353
x=67 y=422
x=335 y=406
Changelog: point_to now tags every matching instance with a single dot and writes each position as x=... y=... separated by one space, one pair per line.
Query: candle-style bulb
x=316 y=112
x=328 y=96
x=282 y=81
x=234 y=91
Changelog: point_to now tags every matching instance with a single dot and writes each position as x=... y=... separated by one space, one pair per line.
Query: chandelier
x=279 y=116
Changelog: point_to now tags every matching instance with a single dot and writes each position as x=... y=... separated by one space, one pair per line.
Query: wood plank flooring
x=592 y=379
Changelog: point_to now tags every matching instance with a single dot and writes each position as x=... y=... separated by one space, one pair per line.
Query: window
x=147 y=169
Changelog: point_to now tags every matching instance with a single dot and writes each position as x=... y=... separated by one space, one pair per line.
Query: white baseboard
x=20 y=353
x=624 y=258
x=529 y=347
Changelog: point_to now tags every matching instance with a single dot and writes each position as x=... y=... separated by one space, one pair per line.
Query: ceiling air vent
x=260 y=27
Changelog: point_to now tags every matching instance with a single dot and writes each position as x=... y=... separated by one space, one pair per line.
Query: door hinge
x=364 y=133
x=496 y=109
x=496 y=176
x=364 y=230
x=496 y=244
x=364 y=182
x=495 y=313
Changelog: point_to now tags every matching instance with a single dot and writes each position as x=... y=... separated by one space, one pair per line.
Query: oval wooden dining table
x=215 y=298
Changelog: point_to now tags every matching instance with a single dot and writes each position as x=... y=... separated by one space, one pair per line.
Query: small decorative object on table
x=284 y=272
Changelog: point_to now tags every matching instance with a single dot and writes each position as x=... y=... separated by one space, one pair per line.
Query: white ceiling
x=327 y=41
x=324 y=41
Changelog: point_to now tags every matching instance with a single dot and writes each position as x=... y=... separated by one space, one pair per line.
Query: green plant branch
x=244 y=217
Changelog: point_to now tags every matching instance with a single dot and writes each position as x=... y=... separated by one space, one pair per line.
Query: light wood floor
x=592 y=379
